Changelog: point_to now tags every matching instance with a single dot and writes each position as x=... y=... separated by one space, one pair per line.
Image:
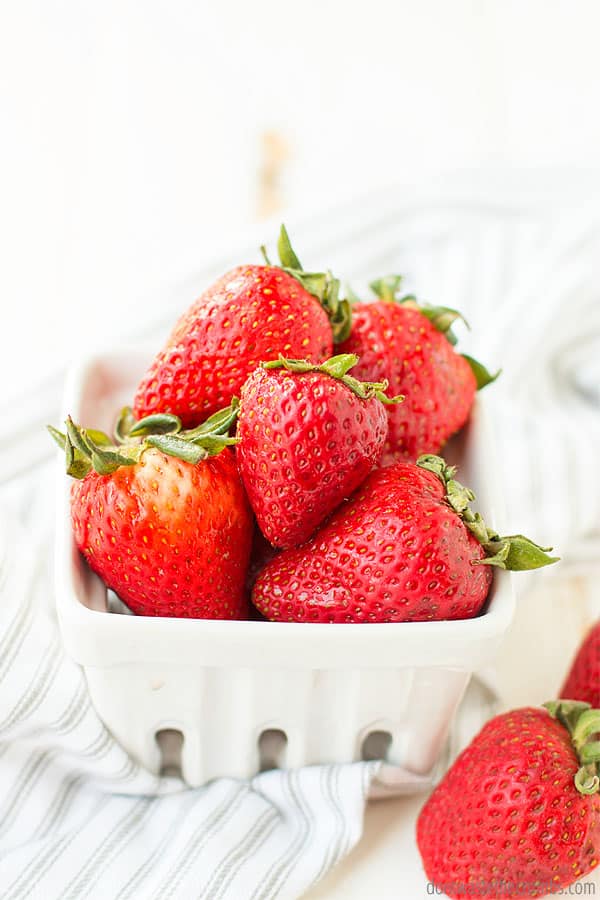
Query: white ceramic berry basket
x=317 y=691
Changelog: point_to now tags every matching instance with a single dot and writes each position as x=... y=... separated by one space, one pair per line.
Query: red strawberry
x=583 y=680
x=405 y=547
x=516 y=815
x=309 y=435
x=252 y=314
x=411 y=347
x=164 y=522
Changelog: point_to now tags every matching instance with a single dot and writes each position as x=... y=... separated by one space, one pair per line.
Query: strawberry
x=405 y=547
x=162 y=516
x=583 y=680
x=518 y=814
x=411 y=347
x=308 y=436
x=253 y=313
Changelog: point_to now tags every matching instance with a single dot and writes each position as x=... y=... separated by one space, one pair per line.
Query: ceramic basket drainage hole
x=272 y=747
x=376 y=745
x=170 y=744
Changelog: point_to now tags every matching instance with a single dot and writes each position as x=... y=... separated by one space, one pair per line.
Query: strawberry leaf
x=125 y=423
x=442 y=318
x=77 y=464
x=583 y=724
x=219 y=423
x=590 y=753
x=98 y=437
x=265 y=255
x=87 y=449
x=482 y=376
x=337 y=367
x=77 y=438
x=107 y=462
x=172 y=445
x=214 y=443
x=515 y=552
x=57 y=436
x=351 y=295
x=287 y=256
x=387 y=288
x=158 y=423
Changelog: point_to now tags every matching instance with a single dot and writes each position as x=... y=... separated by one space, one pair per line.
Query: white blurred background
x=138 y=138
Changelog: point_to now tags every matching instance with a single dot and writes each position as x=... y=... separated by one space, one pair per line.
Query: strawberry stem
x=337 y=367
x=583 y=723
x=515 y=552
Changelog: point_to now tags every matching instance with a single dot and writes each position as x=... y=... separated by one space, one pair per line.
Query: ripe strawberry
x=162 y=518
x=405 y=547
x=308 y=436
x=518 y=814
x=252 y=314
x=411 y=347
x=583 y=680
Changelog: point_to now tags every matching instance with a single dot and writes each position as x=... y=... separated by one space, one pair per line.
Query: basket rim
x=95 y=636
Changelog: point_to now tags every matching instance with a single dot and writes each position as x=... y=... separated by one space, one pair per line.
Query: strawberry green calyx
x=583 y=724
x=483 y=377
x=441 y=317
x=388 y=288
x=338 y=367
x=321 y=285
x=157 y=423
x=87 y=449
x=514 y=552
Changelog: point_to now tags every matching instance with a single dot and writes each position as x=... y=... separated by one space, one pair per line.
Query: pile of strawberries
x=258 y=463
x=255 y=460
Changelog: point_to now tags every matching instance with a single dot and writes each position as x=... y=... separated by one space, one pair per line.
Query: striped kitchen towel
x=78 y=817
